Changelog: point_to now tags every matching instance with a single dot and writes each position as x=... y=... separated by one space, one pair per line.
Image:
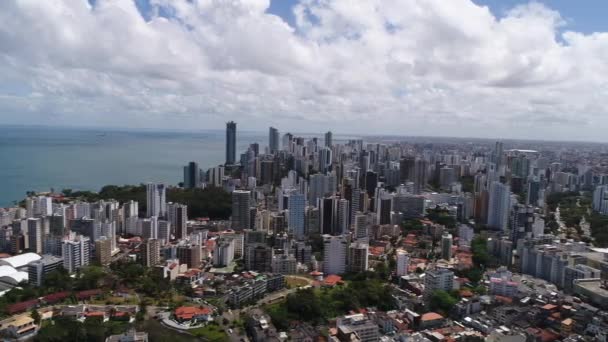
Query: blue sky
x=587 y=18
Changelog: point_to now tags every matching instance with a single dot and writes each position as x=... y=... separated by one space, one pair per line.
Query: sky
x=482 y=68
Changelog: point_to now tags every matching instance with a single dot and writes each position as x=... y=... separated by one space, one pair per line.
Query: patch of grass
x=211 y=332
x=293 y=282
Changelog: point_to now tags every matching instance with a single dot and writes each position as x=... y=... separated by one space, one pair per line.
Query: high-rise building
x=343 y=216
x=177 y=214
x=150 y=252
x=438 y=279
x=258 y=257
x=329 y=215
x=192 y=175
x=334 y=254
x=34 y=234
x=383 y=209
x=149 y=228
x=406 y=169
x=421 y=177
x=329 y=139
x=103 y=251
x=499 y=206
x=284 y=264
x=241 y=202
x=600 y=199
x=360 y=227
x=580 y=271
x=38 y=269
x=297 y=206
x=403 y=262
x=224 y=252
x=191 y=255
x=325 y=160
x=358 y=256
x=411 y=206
x=446 y=246
x=164 y=231
x=273 y=140
x=447 y=176
x=230 y=143
x=76 y=252
x=156 y=200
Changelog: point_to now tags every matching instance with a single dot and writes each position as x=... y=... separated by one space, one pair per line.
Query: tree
x=442 y=301
x=305 y=303
x=35 y=316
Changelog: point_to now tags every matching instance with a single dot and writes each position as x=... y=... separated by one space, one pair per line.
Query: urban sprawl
x=310 y=239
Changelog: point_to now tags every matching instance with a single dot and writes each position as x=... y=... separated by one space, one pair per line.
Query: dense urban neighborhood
x=318 y=239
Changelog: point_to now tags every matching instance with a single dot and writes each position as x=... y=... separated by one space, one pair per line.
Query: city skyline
x=531 y=70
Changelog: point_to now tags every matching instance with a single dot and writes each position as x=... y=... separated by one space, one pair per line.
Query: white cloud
x=398 y=66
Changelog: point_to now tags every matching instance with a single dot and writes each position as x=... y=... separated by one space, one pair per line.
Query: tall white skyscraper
x=297 y=205
x=156 y=200
x=499 y=205
x=334 y=254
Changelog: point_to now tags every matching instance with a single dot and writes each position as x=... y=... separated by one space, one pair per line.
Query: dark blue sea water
x=41 y=158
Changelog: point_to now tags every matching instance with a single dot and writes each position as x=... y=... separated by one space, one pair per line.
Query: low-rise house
x=191 y=315
x=18 y=327
x=431 y=320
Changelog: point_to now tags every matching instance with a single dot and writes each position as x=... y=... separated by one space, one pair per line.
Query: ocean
x=41 y=158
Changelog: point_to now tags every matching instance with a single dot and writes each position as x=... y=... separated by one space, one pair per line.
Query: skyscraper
x=192 y=174
x=334 y=254
x=600 y=199
x=230 y=143
x=273 y=140
x=329 y=139
x=241 y=202
x=177 y=214
x=403 y=262
x=325 y=158
x=296 y=205
x=156 y=200
x=34 y=234
x=446 y=246
x=499 y=206
x=358 y=257
x=75 y=253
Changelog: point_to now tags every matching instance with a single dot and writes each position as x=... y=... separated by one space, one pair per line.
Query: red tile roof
x=88 y=294
x=55 y=297
x=21 y=306
x=188 y=312
x=431 y=316
x=332 y=280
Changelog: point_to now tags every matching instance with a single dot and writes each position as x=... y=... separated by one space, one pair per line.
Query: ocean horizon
x=41 y=158
x=44 y=158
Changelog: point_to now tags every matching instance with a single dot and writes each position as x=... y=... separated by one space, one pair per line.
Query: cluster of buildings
x=329 y=207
